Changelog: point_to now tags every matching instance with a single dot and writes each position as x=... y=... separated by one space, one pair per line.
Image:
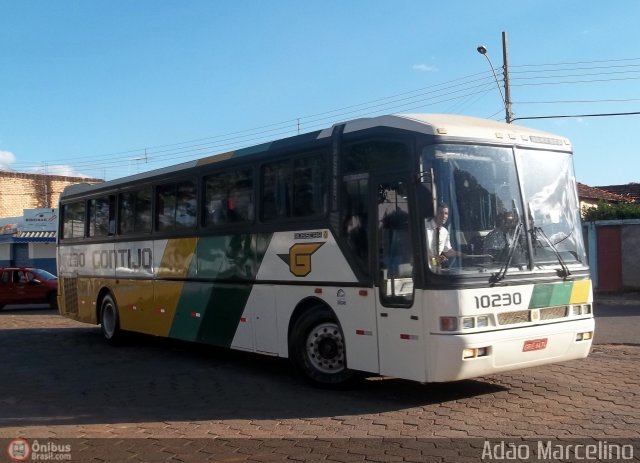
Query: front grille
x=511 y=318
x=71 y=295
x=553 y=312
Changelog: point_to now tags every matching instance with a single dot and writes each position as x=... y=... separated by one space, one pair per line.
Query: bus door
x=399 y=318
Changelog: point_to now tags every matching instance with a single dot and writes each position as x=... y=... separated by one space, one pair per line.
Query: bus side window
x=309 y=186
x=73 y=220
x=275 y=191
x=176 y=206
x=134 y=211
x=100 y=217
x=355 y=222
x=228 y=197
x=186 y=198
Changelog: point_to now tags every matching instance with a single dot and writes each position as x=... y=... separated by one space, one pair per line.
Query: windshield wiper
x=499 y=276
x=562 y=272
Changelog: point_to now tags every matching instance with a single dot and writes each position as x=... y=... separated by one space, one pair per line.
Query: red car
x=21 y=285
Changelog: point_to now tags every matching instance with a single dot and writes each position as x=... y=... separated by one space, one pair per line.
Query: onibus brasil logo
x=20 y=450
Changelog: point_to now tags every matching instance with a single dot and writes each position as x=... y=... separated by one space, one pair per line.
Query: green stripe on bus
x=209 y=311
x=546 y=295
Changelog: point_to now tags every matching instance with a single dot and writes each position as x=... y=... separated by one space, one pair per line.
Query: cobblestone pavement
x=60 y=380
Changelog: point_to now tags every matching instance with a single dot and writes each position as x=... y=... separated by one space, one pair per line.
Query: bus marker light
x=318 y=290
x=364 y=333
x=243 y=319
x=363 y=292
x=448 y=323
x=470 y=352
x=407 y=337
x=195 y=314
x=584 y=336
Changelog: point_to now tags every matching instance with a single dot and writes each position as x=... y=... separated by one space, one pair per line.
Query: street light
x=483 y=51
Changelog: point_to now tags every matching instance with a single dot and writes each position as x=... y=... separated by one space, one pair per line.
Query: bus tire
x=110 y=320
x=318 y=349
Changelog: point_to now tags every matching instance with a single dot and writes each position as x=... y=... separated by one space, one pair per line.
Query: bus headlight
x=581 y=309
x=468 y=323
x=463 y=323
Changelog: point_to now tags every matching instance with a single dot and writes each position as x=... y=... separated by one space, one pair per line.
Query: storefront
x=30 y=241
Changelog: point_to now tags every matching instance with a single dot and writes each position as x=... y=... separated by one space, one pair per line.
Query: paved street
x=60 y=380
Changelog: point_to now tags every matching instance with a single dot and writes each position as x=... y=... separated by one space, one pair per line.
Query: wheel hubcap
x=108 y=320
x=325 y=348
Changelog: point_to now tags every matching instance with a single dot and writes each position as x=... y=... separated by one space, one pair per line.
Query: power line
x=463 y=91
x=578 y=115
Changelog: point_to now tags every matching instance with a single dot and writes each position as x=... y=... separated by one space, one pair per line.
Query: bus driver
x=438 y=242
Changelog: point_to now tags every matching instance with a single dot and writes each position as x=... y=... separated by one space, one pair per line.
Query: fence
x=613 y=247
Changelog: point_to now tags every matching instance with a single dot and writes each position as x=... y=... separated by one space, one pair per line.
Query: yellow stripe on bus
x=177 y=258
x=580 y=292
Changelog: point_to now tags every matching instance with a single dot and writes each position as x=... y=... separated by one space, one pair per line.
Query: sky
x=109 y=88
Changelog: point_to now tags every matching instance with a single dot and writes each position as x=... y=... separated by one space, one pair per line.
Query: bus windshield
x=476 y=220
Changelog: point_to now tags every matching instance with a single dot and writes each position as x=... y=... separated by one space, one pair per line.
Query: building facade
x=29 y=216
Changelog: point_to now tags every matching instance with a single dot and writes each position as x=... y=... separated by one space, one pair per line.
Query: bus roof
x=441 y=125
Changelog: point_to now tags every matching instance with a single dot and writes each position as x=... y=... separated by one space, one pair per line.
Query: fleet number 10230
x=498 y=300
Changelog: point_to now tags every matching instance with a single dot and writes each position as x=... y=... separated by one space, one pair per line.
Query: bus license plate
x=534 y=344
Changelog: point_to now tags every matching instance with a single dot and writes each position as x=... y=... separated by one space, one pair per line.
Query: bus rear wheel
x=110 y=320
x=318 y=349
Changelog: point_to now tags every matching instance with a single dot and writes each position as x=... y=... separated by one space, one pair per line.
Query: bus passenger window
x=356 y=218
x=176 y=206
x=228 y=197
x=165 y=207
x=99 y=213
x=134 y=209
x=276 y=191
x=73 y=220
x=309 y=186
x=186 y=205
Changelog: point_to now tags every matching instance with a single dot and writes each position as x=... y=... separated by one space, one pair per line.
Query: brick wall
x=20 y=191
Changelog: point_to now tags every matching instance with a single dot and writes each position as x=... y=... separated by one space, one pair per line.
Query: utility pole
x=507 y=88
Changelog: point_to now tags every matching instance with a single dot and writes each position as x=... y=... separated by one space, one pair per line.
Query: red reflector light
x=360 y=332
x=405 y=336
x=318 y=290
x=363 y=292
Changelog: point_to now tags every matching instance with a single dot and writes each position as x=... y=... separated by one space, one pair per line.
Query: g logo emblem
x=299 y=258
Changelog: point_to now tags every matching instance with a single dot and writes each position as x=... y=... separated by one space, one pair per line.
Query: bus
x=317 y=248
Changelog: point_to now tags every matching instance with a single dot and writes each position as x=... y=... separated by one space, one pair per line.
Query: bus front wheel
x=318 y=349
x=109 y=320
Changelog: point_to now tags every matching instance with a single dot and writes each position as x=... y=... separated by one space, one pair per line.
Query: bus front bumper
x=455 y=357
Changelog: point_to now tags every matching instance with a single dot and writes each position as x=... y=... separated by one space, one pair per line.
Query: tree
x=612 y=211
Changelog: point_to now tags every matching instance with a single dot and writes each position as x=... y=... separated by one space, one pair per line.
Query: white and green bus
x=319 y=248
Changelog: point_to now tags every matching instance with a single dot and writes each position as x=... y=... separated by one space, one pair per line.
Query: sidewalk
x=617 y=297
